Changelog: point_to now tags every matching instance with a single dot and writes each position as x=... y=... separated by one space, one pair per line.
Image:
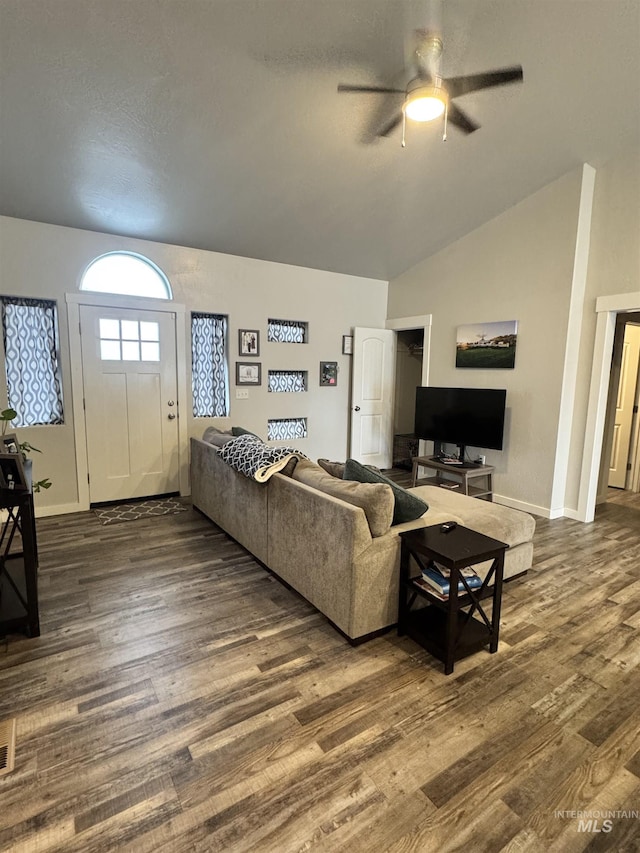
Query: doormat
x=141 y=509
x=7 y=746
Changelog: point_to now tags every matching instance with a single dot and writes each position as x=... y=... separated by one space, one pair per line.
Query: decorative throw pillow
x=216 y=436
x=336 y=469
x=241 y=431
x=407 y=506
x=374 y=498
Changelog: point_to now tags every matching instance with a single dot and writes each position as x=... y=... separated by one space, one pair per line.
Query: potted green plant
x=6 y=416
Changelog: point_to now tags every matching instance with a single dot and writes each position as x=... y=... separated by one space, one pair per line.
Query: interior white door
x=624 y=407
x=372 y=396
x=131 y=403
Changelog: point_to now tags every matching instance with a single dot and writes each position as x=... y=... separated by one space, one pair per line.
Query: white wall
x=518 y=266
x=47 y=261
x=614 y=267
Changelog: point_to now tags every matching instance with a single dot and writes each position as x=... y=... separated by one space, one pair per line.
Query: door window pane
x=130 y=330
x=110 y=350
x=130 y=351
x=129 y=340
x=149 y=331
x=150 y=351
x=110 y=329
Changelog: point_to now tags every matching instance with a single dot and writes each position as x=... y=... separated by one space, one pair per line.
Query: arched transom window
x=127 y=274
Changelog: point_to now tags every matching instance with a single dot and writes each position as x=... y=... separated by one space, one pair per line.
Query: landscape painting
x=487 y=345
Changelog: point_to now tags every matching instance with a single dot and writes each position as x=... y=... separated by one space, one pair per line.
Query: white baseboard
x=534 y=509
x=60 y=509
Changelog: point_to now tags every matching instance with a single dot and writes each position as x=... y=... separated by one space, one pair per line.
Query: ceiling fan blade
x=457 y=86
x=390 y=125
x=383 y=89
x=460 y=119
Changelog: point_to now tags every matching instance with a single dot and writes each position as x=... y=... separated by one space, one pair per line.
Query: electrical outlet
x=481 y=459
x=242 y=394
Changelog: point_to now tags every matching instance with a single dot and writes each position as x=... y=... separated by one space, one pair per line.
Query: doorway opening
x=620 y=465
x=409 y=356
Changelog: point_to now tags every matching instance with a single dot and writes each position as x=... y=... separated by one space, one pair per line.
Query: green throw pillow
x=407 y=506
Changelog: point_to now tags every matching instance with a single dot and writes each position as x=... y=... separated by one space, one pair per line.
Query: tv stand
x=462 y=478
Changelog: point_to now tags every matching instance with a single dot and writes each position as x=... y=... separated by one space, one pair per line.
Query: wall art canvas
x=487 y=345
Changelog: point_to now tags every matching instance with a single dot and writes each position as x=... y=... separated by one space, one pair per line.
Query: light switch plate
x=242 y=394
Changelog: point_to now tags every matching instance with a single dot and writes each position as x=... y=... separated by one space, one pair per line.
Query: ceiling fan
x=428 y=95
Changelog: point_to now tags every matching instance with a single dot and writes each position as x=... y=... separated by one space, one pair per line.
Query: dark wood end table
x=458 y=626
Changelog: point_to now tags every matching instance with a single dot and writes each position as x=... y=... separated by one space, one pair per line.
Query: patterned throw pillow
x=407 y=506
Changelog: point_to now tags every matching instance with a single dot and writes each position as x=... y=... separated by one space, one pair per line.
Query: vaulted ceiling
x=216 y=123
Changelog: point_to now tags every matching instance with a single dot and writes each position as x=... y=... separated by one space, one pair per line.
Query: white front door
x=373 y=377
x=624 y=407
x=131 y=403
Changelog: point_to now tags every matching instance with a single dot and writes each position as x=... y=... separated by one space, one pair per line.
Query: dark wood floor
x=182 y=699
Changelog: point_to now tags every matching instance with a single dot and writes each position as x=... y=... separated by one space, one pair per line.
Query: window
x=287 y=381
x=286 y=429
x=209 y=368
x=287 y=331
x=126 y=274
x=30 y=336
x=129 y=340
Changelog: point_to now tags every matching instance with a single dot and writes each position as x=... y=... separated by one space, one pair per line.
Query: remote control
x=448 y=526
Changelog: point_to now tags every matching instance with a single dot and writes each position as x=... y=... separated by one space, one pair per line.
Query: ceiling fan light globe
x=425 y=102
x=424 y=108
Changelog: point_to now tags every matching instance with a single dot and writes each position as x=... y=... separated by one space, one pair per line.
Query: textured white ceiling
x=216 y=123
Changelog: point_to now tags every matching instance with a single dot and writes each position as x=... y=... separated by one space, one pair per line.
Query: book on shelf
x=436 y=581
x=467 y=571
x=419 y=582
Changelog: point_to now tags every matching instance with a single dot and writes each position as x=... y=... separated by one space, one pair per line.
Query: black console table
x=450 y=629
x=18 y=565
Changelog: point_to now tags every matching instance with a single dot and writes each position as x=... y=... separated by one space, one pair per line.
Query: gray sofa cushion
x=376 y=499
x=336 y=469
x=493 y=519
x=407 y=506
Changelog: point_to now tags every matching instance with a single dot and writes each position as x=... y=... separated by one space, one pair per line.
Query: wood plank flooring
x=181 y=699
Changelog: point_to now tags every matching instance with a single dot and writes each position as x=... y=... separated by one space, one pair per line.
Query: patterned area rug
x=141 y=509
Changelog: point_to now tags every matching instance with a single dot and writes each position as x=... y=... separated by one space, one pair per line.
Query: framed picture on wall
x=12 y=472
x=487 y=345
x=328 y=372
x=249 y=342
x=248 y=373
x=347 y=345
x=9 y=443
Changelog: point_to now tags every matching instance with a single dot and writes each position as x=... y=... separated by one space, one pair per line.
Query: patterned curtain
x=287 y=331
x=285 y=429
x=287 y=381
x=210 y=377
x=34 y=389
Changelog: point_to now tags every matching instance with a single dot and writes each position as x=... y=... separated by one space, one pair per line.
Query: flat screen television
x=462 y=416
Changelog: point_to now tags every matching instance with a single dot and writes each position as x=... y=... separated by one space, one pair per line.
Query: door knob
x=170 y=403
x=357 y=409
x=171 y=416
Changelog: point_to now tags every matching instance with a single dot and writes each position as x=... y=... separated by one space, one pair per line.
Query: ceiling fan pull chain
x=404 y=124
x=444 y=130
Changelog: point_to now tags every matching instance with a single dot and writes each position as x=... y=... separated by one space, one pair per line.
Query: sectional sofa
x=307 y=530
